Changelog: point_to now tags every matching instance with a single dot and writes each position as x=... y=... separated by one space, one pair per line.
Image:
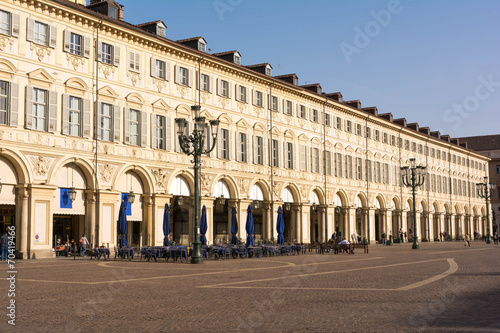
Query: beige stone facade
x=333 y=165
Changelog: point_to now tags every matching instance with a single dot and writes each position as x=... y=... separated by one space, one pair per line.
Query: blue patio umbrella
x=280 y=226
x=234 y=226
x=166 y=225
x=203 y=225
x=122 y=223
x=249 y=226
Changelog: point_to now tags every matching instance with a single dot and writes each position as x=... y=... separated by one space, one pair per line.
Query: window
x=202 y=46
x=377 y=135
x=4 y=101
x=107 y=53
x=160 y=69
x=289 y=108
x=315 y=160
x=237 y=59
x=40 y=107
x=257 y=99
x=274 y=103
x=393 y=140
x=268 y=71
x=407 y=145
x=302 y=111
x=183 y=76
x=134 y=61
x=413 y=147
x=498 y=169
x=113 y=12
x=386 y=173
x=75 y=44
x=327 y=120
x=224 y=88
x=242 y=93
x=433 y=152
x=289 y=155
x=106 y=117
x=274 y=152
x=314 y=117
x=41 y=33
x=359 y=168
x=338 y=171
x=368 y=132
x=242 y=147
x=369 y=170
x=5 y=25
x=349 y=166
x=160 y=132
x=205 y=82
x=134 y=127
x=303 y=151
x=348 y=126
x=378 y=173
x=328 y=161
x=358 y=129
x=438 y=154
x=439 y=184
x=224 y=141
x=385 y=136
x=75 y=115
x=339 y=123
x=420 y=149
x=259 y=158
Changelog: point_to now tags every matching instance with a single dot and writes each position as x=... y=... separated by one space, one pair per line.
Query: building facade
x=489 y=145
x=89 y=102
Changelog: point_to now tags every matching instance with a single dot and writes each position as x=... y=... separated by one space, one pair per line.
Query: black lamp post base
x=488 y=240
x=197 y=260
x=415 y=246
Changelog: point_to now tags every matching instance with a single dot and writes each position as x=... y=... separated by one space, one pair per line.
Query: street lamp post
x=413 y=179
x=194 y=145
x=484 y=191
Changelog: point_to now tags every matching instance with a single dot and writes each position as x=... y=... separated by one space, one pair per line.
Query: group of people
x=70 y=247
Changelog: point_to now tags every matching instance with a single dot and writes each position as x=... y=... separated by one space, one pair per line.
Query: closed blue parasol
x=249 y=226
x=234 y=226
x=203 y=225
x=280 y=226
x=166 y=225
x=122 y=223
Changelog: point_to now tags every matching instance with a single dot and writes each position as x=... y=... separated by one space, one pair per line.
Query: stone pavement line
x=454 y=251
x=453 y=268
x=227 y=284
x=186 y=275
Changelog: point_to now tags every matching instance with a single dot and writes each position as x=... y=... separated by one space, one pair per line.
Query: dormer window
x=161 y=31
x=202 y=46
x=295 y=81
x=268 y=71
x=237 y=59
x=113 y=12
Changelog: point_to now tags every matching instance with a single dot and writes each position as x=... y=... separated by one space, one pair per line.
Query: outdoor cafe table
x=154 y=252
x=98 y=252
x=254 y=251
x=175 y=251
x=127 y=252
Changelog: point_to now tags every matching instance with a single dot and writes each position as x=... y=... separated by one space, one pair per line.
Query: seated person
x=345 y=242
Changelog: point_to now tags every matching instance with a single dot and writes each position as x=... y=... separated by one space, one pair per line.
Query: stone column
x=266 y=220
x=23 y=233
x=147 y=225
x=243 y=208
x=321 y=224
x=298 y=222
x=90 y=204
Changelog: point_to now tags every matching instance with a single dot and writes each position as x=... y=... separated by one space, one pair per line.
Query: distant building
x=99 y=121
x=489 y=145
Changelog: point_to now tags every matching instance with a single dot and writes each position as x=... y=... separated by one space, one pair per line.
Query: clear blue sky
x=432 y=62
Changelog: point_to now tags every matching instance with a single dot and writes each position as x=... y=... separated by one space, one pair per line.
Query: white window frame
x=224 y=87
x=75 y=47
x=107 y=57
x=134 y=127
x=242 y=93
x=289 y=107
x=40 y=109
x=348 y=126
x=302 y=111
x=134 y=61
x=183 y=76
x=259 y=99
x=338 y=120
x=5 y=22
x=274 y=103
x=315 y=116
x=41 y=37
x=4 y=102
x=225 y=143
x=274 y=152
x=205 y=82
x=260 y=150
x=161 y=129
x=75 y=107
x=289 y=155
x=161 y=69
x=105 y=116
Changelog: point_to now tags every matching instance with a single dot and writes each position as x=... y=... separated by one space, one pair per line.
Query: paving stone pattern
x=309 y=293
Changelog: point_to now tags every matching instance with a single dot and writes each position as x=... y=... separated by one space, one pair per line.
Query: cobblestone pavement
x=442 y=287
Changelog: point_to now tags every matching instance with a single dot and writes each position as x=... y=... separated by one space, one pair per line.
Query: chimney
x=336 y=96
x=354 y=103
x=315 y=88
x=400 y=121
x=386 y=116
x=371 y=110
x=290 y=78
x=413 y=126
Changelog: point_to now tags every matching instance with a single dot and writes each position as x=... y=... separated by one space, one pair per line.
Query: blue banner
x=129 y=206
x=65 y=202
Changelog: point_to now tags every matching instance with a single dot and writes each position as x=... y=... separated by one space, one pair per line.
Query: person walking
x=5 y=245
x=84 y=242
x=495 y=238
x=467 y=240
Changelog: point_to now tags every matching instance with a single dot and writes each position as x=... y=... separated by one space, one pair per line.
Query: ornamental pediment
x=41 y=75
x=7 y=67
x=107 y=91
x=76 y=83
x=135 y=98
x=161 y=104
x=243 y=123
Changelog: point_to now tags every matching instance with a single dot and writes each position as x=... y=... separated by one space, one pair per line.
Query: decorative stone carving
x=106 y=149
x=5 y=40
x=314 y=127
x=277 y=188
x=161 y=176
x=183 y=91
x=258 y=111
x=135 y=153
x=39 y=139
x=134 y=77
x=40 y=50
x=275 y=115
x=205 y=97
x=304 y=191
x=106 y=69
x=243 y=184
x=223 y=102
x=302 y=123
x=206 y=180
x=241 y=106
x=76 y=61
x=160 y=84
x=106 y=172
x=40 y=164
x=329 y=195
